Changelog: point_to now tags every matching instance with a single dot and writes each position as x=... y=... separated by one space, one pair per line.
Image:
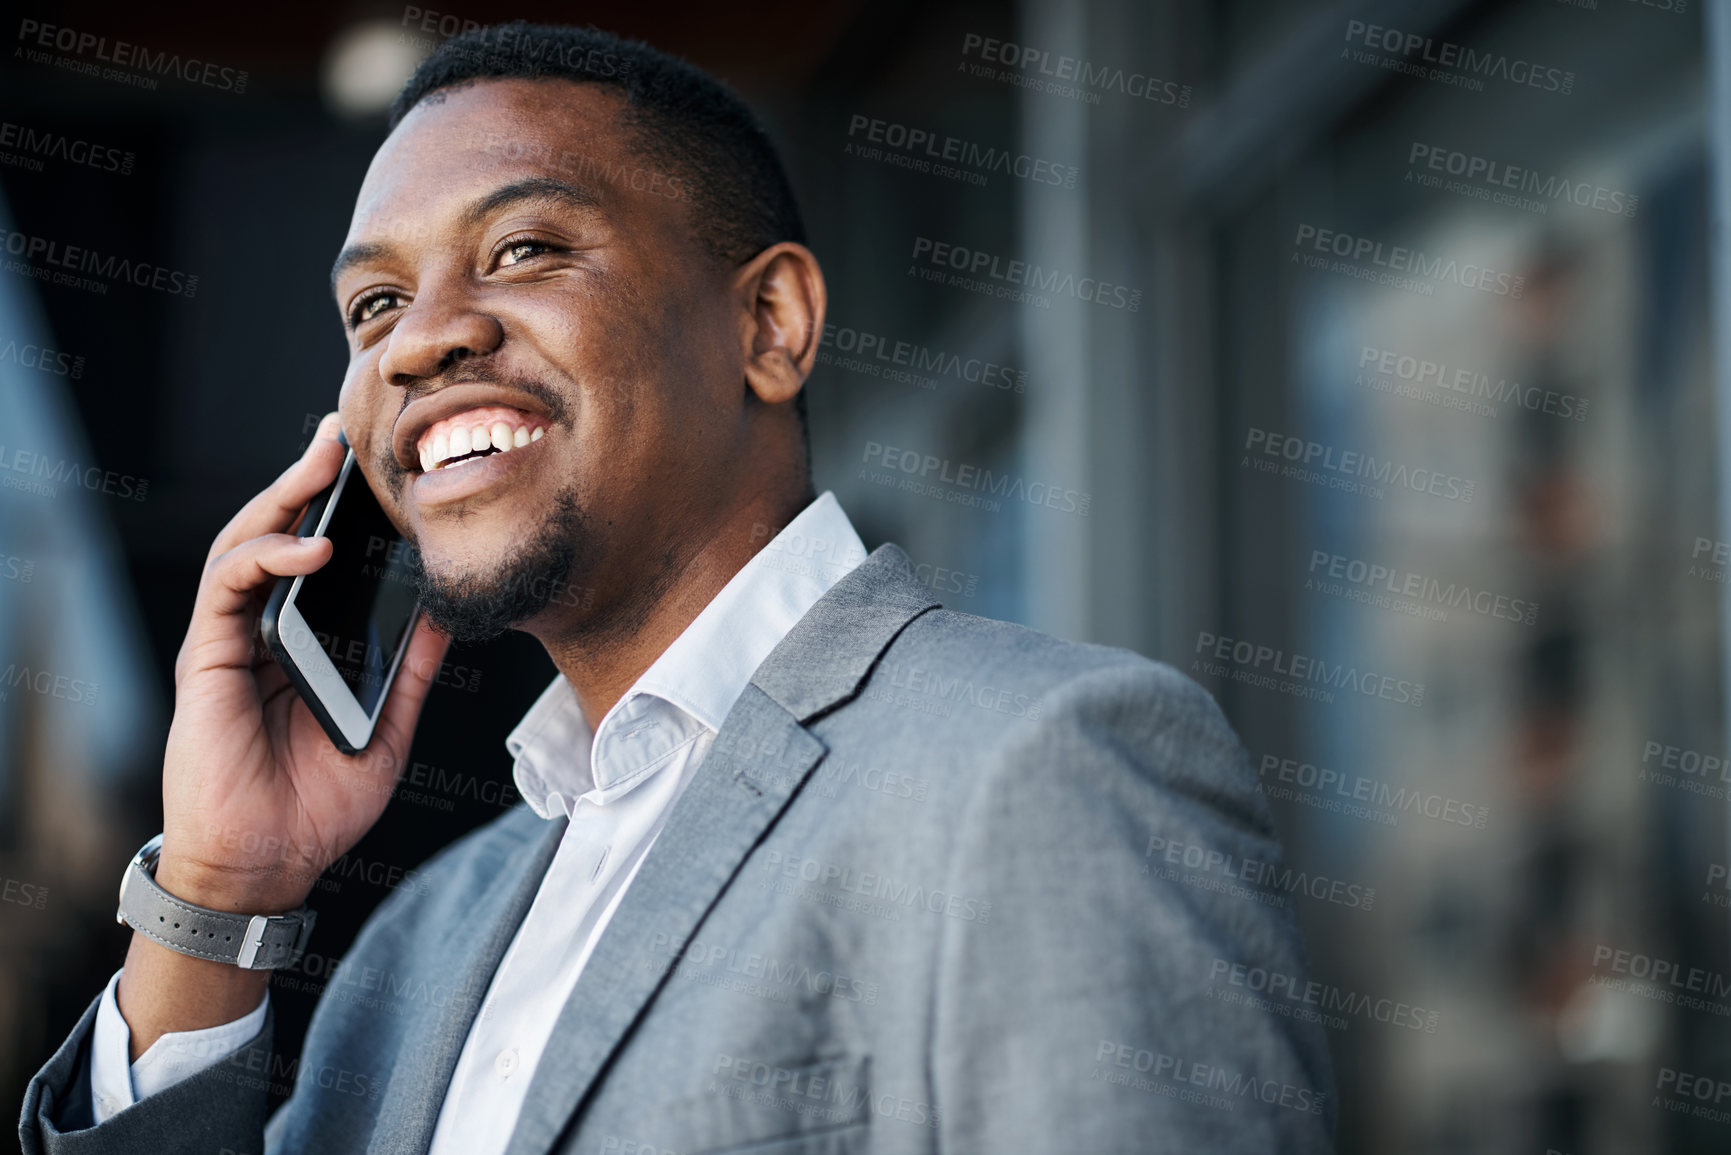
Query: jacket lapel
x=428 y=1058
x=759 y=759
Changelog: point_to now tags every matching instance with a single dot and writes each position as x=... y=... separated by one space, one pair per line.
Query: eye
x=518 y=251
x=366 y=305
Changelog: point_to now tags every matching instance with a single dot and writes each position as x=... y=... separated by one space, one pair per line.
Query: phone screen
x=360 y=603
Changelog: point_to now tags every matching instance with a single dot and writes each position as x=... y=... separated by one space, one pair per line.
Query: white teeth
x=442 y=449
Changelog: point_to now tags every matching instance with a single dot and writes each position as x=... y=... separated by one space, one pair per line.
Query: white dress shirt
x=615 y=786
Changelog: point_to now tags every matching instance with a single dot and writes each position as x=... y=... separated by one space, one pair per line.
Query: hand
x=256 y=799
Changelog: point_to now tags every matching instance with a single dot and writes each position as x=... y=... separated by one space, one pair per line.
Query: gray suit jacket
x=916 y=899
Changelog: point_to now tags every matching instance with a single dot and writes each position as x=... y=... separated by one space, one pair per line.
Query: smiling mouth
x=485 y=431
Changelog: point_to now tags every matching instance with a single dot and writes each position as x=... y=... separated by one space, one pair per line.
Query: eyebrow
x=538 y=188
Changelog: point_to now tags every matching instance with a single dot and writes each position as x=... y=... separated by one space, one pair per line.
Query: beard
x=472 y=608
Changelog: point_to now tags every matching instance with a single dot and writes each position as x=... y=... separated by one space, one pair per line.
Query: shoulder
x=942 y=645
x=1008 y=709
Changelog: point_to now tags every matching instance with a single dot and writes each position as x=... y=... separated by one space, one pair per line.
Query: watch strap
x=251 y=942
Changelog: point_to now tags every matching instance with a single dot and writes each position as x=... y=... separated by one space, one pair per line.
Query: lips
x=481 y=431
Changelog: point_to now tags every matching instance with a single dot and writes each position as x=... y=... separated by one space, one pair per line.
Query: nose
x=441 y=326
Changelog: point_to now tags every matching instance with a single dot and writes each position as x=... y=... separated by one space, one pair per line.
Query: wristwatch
x=252 y=942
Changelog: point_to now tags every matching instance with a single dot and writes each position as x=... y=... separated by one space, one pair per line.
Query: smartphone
x=340 y=632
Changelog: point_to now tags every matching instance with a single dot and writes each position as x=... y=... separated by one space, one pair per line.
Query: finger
x=276 y=507
x=415 y=677
x=222 y=611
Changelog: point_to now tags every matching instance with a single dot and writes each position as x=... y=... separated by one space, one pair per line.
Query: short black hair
x=679 y=116
x=713 y=151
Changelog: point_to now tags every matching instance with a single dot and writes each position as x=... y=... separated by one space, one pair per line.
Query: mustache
x=473 y=373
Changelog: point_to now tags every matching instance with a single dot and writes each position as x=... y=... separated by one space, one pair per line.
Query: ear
x=782 y=300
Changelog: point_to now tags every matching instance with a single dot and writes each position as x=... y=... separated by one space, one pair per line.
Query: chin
x=478 y=602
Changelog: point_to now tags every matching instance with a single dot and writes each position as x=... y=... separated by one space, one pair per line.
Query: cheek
x=365 y=425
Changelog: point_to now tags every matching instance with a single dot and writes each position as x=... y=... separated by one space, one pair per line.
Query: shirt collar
x=690 y=688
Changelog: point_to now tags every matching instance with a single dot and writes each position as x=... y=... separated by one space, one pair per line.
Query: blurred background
x=1371 y=346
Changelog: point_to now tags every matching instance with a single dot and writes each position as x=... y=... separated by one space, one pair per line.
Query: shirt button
x=506 y=1063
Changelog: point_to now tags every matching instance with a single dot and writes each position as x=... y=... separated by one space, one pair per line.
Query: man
x=776 y=884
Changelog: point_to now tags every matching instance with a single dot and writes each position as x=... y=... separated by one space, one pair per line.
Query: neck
x=606 y=652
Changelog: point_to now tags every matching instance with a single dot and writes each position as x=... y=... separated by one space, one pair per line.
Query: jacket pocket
x=821 y=1105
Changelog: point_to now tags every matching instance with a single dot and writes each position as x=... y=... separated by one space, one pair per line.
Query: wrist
x=268 y=890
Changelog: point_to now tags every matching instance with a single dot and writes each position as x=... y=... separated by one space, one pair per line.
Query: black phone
x=340 y=633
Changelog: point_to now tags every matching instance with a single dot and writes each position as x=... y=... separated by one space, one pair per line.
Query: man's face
x=516 y=276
